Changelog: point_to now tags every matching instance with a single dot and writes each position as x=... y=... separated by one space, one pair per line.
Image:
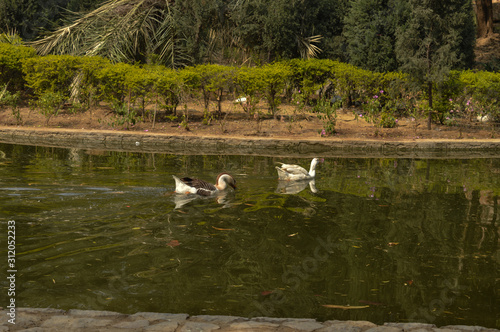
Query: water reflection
x=223 y=198
x=406 y=239
x=294 y=187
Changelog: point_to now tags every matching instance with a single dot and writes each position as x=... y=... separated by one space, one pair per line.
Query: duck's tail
x=180 y=187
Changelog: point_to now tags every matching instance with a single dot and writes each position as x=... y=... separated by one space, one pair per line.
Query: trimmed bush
x=51 y=73
x=113 y=85
x=11 y=65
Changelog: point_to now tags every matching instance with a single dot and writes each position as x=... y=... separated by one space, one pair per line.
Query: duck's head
x=315 y=161
x=225 y=179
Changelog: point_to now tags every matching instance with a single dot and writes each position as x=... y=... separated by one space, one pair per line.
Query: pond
x=381 y=240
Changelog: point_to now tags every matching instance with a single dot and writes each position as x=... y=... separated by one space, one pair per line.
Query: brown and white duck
x=188 y=185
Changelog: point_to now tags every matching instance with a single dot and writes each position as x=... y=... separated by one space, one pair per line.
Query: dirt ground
x=234 y=122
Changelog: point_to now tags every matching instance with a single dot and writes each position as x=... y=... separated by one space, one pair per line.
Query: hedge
x=11 y=64
x=97 y=79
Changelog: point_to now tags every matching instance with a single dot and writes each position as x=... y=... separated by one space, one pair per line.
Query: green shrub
x=11 y=64
x=211 y=80
x=250 y=84
x=274 y=78
x=387 y=119
x=11 y=100
x=310 y=76
x=85 y=87
x=484 y=89
x=51 y=73
x=50 y=103
x=168 y=84
x=327 y=113
x=139 y=82
x=113 y=85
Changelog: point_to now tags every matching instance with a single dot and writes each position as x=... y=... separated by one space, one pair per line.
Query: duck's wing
x=203 y=188
x=294 y=169
x=282 y=175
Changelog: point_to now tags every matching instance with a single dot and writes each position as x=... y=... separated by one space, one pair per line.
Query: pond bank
x=45 y=320
x=251 y=145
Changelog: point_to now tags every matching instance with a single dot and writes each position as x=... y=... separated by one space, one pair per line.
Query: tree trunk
x=219 y=102
x=484 y=15
x=429 y=119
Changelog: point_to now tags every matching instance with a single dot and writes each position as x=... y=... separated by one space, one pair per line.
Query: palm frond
x=307 y=48
x=121 y=30
x=11 y=37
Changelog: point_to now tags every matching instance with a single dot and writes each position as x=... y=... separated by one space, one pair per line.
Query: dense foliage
x=254 y=32
x=31 y=18
x=370 y=32
x=11 y=60
x=437 y=38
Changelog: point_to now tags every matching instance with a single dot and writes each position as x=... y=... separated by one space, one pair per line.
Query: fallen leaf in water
x=264 y=293
x=136 y=228
x=223 y=229
x=53 y=281
x=345 y=307
x=173 y=243
x=293 y=234
x=392 y=244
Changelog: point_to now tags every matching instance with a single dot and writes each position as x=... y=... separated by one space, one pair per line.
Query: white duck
x=196 y=186
x=296 y=172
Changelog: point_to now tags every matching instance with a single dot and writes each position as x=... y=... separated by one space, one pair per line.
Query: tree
x=181 y=33
x=370 y=33
x=433 y=42
x=203 y=29
x=484 y=15
x=285 y=29
x=29 y=18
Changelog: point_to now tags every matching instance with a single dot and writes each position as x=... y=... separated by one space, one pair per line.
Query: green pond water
x=383 y=240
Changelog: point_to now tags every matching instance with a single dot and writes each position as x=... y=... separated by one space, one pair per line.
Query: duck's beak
x=233 y=185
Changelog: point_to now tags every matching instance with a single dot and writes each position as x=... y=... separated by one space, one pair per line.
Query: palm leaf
x=121 y=30
x=307 y=48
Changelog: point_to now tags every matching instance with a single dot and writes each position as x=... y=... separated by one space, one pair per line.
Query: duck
x=188 y=185
x=295 y=172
